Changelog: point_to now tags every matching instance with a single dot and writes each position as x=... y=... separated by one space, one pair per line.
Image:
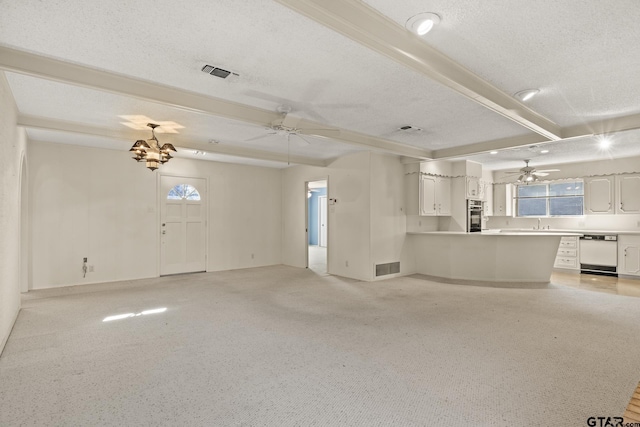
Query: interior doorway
x=183 y=233
x=317 y=226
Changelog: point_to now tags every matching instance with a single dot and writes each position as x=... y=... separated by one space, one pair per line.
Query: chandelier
x=150 y=150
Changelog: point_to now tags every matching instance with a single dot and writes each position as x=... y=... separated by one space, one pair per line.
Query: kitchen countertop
x=500 y=233
x=529 y=231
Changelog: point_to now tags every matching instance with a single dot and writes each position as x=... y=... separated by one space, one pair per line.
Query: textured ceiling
x=583 y=59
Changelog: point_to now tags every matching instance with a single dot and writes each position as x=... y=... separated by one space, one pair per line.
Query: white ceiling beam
x=33 y=122
x=52 y=69
x=603 y=127
x=598 y=127
x=483 y=147
x=365 y=25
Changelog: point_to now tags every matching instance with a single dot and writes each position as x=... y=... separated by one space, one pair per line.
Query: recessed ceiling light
x=527 y=94
x=605 y=143
x=544 y=151
x=493 y=152
x=422 y=23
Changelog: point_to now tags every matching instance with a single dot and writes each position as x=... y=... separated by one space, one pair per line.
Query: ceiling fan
x=529 y=173
x=287 y=126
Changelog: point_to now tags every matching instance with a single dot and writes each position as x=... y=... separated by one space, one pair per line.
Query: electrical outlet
x=507 y=222
x=253 y=256
x=346 y=263
x=419 y=223
x=90 y=270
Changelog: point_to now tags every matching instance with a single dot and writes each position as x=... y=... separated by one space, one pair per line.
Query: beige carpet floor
x=281 y=346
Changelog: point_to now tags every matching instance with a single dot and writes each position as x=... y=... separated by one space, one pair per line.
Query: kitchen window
x=552 y=199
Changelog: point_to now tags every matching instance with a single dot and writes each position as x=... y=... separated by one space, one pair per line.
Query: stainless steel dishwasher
x=599 y=254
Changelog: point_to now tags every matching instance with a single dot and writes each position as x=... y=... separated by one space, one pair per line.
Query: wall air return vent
x=220 y=72
x=389 y=268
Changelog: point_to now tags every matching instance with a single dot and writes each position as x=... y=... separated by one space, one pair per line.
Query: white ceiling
x=584 y=60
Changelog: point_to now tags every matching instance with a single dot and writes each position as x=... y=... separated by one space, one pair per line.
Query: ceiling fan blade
x=549 y=170
x=290 y=121
x=323 y=133
x=302 y=141
x=259 y=137
x=539 y=173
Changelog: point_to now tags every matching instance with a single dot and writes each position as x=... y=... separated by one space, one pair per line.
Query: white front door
x=182 y=225
x=322 y=234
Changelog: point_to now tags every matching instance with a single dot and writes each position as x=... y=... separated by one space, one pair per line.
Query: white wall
x=12 y=147
x=100 y=204
x=388 y=221
x=245 y=212
x=294 y=203
x=349 y=218
x=349 y=229
x=627 y=222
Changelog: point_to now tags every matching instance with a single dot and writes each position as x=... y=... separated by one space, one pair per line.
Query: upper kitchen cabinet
x=473 y=188
x=598 y=195
x=427 y=195
x=502 y=200
x=628 y=194
x=487 y=200
x=443 y=196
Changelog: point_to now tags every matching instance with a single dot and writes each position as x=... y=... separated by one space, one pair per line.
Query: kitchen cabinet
x=629 y=255
x=487 y=202
x=628 y=194
x=567 y=255
x=443 y=196
x=598 y=195
x=427 y=195
x=502 y=200
x=473 y=187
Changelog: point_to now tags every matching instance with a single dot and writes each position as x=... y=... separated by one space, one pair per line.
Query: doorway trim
x=160 y=200
x=320 y=239
x=306 y=220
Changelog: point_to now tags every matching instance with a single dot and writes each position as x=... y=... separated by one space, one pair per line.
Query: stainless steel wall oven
x=474 y=216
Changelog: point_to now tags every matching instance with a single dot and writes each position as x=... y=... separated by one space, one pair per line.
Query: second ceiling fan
x=529 y=174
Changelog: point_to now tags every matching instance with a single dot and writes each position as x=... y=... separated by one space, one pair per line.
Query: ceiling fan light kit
x=151 y=152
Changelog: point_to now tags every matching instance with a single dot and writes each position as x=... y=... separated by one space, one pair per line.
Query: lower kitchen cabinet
x=567 y=256
x=629 y=255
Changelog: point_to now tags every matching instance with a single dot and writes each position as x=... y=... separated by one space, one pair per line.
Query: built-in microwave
x=474 y=216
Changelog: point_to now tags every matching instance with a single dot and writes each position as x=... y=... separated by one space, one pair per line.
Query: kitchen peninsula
x=488 y=256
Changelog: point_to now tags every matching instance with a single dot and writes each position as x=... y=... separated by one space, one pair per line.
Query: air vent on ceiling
x=389 y=268
x=219 y=72
x=409 y=129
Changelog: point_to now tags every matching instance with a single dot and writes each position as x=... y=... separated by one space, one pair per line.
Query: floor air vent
x=389 y=268
x=219 y=72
